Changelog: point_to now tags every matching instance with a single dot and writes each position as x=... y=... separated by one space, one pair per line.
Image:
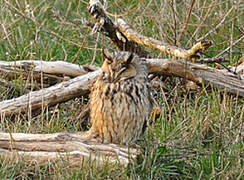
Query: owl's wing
x=154 y=108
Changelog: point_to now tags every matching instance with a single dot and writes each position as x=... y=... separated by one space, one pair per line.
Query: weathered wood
x=13 y=73
x=234 y=83
x=106 y=26
x=46 y=72
x=127 y=39
x=175 y=51
x=59 y=68
x=168 y=67
x=49 y=96
x=80 y=85
x=43 y=148
x=230 y=82
x=74 y=148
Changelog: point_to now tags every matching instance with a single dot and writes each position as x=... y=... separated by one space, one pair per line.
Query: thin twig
x=7 y=36
x=202 y=20
x=227 y=49
x=212 y=60
x=174 y=19
x=95 y=51
x=18 y=11
x=218 y=25
x=186 y=23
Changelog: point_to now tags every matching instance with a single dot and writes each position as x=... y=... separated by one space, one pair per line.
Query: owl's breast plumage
x=119 y=110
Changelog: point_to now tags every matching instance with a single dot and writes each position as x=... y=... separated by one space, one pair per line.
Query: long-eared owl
x=120 y=99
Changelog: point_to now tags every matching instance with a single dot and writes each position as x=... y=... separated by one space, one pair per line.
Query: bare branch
x=218 y=25
x=127 y=39
x=187 y=21
x=234 y=43
x=49 y=72
x=80 y=85
x=49 y=96
x=105 y=25
x=45 y=148
x=162 y=46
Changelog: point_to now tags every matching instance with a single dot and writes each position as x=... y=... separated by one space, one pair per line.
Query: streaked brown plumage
x=120 y=99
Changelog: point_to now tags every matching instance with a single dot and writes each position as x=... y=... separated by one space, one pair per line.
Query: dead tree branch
x=49 y=96
x=45 y=148
x=106 y=26
x=159 y=45
x=46 y=71
x=59 y=68
x=80 y=85
x=230 y=82
x=121 y=34
x=75 y=147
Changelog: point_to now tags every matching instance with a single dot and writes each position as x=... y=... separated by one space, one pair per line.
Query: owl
x=120 y=99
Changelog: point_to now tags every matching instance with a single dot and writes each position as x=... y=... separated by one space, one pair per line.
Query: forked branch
x=106 y=26
x=121 y=34
x=80 y=85
x=75 y=147
x=160 y=45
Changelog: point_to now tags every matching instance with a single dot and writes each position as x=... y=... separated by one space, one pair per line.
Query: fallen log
x=49 y=96
x=79 y=86
x=228 y=81
x=59 y=68
x=53 y=147
x=44 y=71
x=45 y=148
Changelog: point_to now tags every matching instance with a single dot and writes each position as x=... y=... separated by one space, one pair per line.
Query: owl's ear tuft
x=129 y=59
x=107 y=55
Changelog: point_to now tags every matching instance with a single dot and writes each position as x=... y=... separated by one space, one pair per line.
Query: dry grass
x=199 y=134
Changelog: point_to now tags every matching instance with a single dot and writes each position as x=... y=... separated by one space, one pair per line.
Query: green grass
x=199 y=134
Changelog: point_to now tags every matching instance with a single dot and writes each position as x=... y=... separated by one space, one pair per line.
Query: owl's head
x=122 y=65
